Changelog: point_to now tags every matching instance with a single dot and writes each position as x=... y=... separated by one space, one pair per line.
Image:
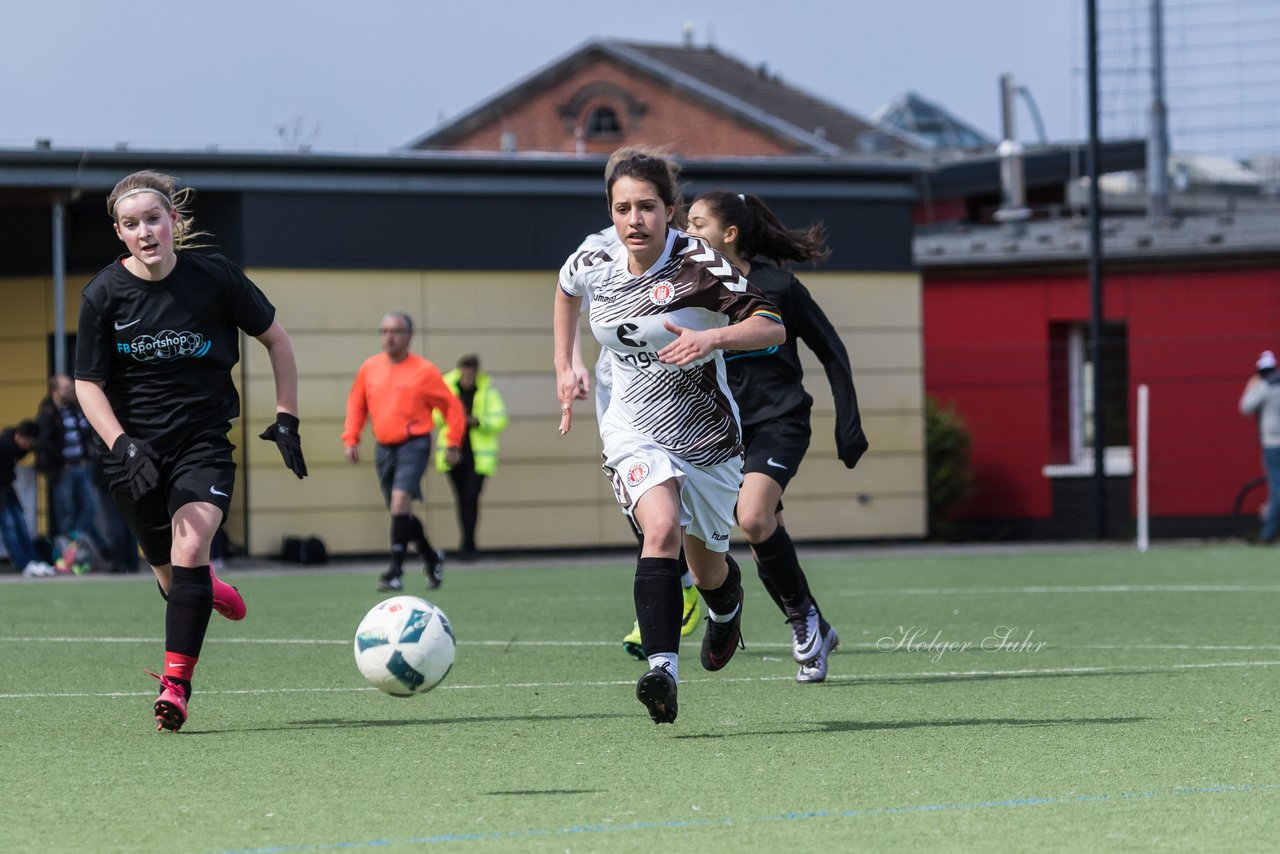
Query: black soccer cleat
x=722 y=640
x=433 y=568
x=390 y=581
x=657 y=691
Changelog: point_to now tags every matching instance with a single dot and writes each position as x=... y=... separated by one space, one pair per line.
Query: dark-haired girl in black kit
x=159 y=333
x=773 y=405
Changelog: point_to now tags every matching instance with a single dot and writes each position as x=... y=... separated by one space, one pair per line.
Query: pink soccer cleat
x=171 y=705
x=227 y=600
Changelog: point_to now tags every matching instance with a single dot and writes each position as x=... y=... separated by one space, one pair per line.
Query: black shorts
x=202 y=470
x=776 y=447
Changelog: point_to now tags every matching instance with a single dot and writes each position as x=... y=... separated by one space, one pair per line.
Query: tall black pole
x=1095 y=281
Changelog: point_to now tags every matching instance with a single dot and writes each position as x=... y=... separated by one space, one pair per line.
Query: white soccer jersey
x=686 y=411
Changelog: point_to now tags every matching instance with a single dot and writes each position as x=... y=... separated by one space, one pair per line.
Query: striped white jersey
x=687 y=411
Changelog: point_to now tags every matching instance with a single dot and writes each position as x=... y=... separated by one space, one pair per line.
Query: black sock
x=659 y=604
x=187 y=615
x=400 y=528
x=724 y=599
x=418 y=536
x=779 y=569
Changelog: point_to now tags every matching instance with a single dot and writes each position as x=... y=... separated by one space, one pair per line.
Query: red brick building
x=696 y=100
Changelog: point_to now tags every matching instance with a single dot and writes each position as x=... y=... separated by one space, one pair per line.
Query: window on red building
x=603 y=123
x=1071 y=388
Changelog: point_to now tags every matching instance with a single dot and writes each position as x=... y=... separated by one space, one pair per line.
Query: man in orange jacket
x=400 y=391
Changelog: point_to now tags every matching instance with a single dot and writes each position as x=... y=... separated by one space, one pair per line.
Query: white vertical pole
x=1143 y=401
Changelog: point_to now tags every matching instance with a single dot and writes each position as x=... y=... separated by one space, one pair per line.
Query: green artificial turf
x=1131 y=708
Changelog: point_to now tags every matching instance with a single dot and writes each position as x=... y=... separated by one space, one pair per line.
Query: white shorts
x=634 y=465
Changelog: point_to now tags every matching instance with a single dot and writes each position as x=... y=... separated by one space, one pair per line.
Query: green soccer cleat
x=631 y=644
x=692 y=611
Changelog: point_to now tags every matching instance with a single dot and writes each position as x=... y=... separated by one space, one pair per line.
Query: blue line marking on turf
x=729 y=822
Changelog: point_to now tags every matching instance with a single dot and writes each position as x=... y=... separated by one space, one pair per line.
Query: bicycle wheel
x=1248 y=509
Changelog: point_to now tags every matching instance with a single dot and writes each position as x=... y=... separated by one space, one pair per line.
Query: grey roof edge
x=72 y=170
x=1124 y=239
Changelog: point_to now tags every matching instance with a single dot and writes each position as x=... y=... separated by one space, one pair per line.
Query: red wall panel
x=1193 y=338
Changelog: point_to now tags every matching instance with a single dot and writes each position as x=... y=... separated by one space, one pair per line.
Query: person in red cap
x=1261 y=399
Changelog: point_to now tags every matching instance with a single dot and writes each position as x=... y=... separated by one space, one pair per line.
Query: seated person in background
x=15 y=443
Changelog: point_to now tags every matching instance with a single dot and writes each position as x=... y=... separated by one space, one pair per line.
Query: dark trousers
x=467 y=486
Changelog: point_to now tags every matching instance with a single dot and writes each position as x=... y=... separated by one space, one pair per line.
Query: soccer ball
x=404 y=646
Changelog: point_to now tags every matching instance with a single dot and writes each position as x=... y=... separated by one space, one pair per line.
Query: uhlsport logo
x=637 y=473
x=167 y=345
x=662 y=293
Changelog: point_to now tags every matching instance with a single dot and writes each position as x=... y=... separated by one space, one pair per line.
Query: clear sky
x=371 y=75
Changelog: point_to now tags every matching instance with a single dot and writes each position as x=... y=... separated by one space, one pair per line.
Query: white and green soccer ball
x=404 y=646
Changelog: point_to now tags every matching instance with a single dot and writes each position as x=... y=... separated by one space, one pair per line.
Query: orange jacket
x=400 y=398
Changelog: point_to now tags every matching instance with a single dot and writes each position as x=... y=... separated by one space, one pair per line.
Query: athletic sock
x=418 y=536
x=400 y=528
x=659 y=604
x=186 y=619
x=780 y=572
x=723 y=601
x=668 y=659
x=686 y=577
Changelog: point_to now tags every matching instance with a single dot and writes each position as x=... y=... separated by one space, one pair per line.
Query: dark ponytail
x=761 y=234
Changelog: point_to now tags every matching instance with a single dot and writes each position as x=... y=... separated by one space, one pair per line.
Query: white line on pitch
x=1173 y=647
x=1102 y=588
x=853 y=677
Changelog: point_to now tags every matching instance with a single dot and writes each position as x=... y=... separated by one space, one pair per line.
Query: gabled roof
x=750 y=94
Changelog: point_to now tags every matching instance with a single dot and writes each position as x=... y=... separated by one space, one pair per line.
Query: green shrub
x=949 y=472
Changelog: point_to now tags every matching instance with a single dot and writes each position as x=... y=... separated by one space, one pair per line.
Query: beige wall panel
x=344 y=532
x=23 y=360
x=361 y=530
x=502 y=352
x=886 y=432
x=486 y=300
x=867 y=300
x=338 y=354
x=334 y=354
x=352 y=300
x=822 y=519
x=28 y=306
x=869 y=350
x=534 y=482
x=898 y=474
x=326 y=397
x=877 y=393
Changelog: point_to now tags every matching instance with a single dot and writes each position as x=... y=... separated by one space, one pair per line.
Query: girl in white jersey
x=664 y=308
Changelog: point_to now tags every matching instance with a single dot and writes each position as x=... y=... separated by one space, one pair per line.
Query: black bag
x=307 y=551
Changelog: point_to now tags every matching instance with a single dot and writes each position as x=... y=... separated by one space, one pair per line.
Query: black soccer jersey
x=164 y=350
x=768 y=383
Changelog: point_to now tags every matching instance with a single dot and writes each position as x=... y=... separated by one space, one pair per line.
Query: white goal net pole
x=1141 y=468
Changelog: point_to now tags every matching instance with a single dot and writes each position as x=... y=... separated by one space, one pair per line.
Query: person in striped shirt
x=665 y=307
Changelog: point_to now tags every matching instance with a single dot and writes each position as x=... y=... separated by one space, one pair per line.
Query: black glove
x=285 y=434
x=139 y=463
